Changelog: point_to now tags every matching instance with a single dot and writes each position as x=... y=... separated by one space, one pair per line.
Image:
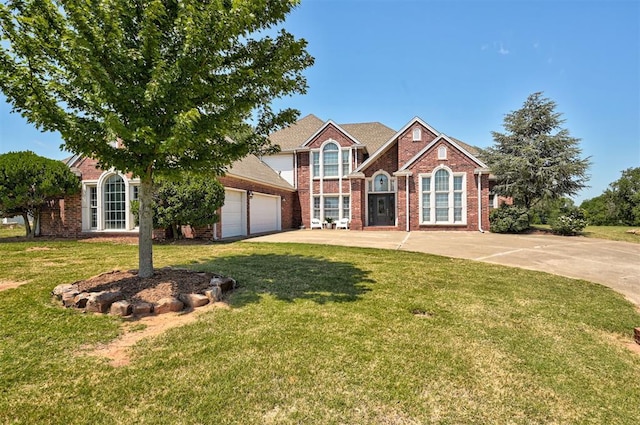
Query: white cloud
x=484 y=47
x=536 y=45
x=502 y=50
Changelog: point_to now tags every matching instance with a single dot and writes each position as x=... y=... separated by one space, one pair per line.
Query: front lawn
x=321 y=335
x=614 y=233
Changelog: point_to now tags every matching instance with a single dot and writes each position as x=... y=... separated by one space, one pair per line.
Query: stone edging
x=115 y=303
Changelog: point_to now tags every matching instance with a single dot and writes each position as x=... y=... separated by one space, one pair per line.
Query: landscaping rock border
x=114 y=302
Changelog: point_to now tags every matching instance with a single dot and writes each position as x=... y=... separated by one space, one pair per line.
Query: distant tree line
x=619 y=205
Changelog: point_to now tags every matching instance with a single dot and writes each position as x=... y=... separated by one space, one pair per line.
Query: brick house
x=412 y=179
x=257 y=200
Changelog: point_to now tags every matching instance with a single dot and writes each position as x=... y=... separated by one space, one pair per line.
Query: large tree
x=169 y=79
x=536 y=159
x=28 y=182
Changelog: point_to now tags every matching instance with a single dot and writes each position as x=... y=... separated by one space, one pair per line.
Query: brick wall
x=62 y=217
x=408 y=148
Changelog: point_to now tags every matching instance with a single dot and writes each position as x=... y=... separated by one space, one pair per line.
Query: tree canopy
x=536 y=159
x=619 y=204
x=28 y=182
x=190 y=200
x=167 y=79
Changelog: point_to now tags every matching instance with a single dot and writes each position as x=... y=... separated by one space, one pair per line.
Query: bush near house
x=509 y=219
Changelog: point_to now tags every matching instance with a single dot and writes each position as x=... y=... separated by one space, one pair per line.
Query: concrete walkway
x=610 y=263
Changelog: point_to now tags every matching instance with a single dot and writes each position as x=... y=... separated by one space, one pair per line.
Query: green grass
x=322 y=335
x=614 y=233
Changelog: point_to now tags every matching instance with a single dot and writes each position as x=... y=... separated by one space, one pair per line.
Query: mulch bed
x=166 y=282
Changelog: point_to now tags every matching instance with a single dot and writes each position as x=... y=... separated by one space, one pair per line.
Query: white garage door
x=264 y=213
x=233 y=213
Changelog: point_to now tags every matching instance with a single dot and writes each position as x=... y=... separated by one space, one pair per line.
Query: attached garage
x=234 y=216
x=264 y=213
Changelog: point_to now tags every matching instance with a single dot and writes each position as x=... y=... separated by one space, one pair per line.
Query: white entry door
x=234 y=214
x=264 y=213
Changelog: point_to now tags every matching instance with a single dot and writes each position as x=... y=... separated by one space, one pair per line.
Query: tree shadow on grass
x=290 y=277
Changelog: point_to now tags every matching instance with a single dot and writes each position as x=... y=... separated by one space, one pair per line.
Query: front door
x=382 y=210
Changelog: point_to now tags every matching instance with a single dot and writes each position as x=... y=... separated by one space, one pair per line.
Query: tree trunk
x=27 y=226
x=145 y=243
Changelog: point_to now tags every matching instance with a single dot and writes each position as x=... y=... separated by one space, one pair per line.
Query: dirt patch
x=117 y=351
x=8 y=284
x=167 y=282
x=38 y=248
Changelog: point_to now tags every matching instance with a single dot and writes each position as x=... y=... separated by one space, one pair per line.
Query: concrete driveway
x=613 y=264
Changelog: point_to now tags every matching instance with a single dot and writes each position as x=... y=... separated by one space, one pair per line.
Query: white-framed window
x=330 y=161
x=346 y=207
x=332 y=205
x=442 y=152
x=93 y=206
x=316 y=207
x=115 y=203
x=106 y=203
x=443 y=197
x=345 y=162
x=417 y=134
x=382 y=182
x=315 y=162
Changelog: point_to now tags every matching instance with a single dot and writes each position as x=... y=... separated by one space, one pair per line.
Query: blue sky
x=461 y=66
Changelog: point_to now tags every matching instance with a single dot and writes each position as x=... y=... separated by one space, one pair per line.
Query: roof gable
x=327 y=125
x=394 y=139
x=452 y=142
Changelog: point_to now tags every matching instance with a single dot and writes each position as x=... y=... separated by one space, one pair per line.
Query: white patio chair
x=316 y=223
x=343 y=223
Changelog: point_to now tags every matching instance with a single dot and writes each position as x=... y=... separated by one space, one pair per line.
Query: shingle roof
x=252 y=168
x=471 y=149
x=371 y=134
x=295 y=135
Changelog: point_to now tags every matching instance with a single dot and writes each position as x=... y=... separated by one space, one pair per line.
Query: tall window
x=417 y=134
x=93 y=206
x=114 y=203
x=346 y=213
x=315 y=158
x=345 y=162
x=316 y=207
x=442 y=195
x=426 y=199
x=443 y=198
x=330 y=160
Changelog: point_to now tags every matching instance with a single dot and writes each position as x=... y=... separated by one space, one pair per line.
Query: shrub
x=509 y=219
x=572 y=222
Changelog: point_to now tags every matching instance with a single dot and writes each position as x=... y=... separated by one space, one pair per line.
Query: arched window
x=330 y=160
x=443 y=197
x=381 y=183
x=114 y=203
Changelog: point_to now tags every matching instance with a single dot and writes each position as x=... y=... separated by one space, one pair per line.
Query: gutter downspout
x=480 y=202
x=407 y=199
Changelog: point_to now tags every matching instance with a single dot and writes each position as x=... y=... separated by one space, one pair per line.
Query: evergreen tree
x=536 y=159
x=28 y=182
x=169 y=79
